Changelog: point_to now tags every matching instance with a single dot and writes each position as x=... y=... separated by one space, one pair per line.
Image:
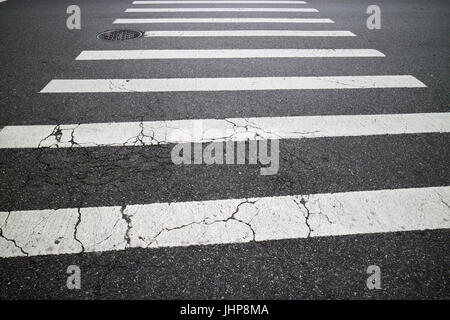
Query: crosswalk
x=219 y=2
x=72 y=230
x=223 y=221
x=230 y=84
x=220 y=20
x=249 y=33
x=221 y=10
x=225 y=54
x=212 y=130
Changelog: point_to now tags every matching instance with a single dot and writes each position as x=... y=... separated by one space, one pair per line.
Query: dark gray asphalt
x=415 y=266
x=109 y=176
x=413 y=37
x=37 y=47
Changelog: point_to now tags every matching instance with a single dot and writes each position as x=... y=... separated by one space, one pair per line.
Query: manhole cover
x=113 y=35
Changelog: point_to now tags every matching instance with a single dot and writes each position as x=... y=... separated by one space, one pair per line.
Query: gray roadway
x=36 y=47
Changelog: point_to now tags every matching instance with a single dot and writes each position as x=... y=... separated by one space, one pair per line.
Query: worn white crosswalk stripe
x=225 y=54
x=220 y=2
x=230 y=84
x=221 y=10
x=222 y=20
x=219 y=130
x=97 y=229
x=251 y=33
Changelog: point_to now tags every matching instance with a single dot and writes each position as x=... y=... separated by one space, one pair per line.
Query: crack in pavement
x=250 y=125
x=58 y=133
x=72 y=137
x=442 y=200
x=75 y=230
x=127 y=219
x=303 y=203
x=11 y=240
x=154 y=239
x=204 y=221
x=346 y=84
x=232 y=217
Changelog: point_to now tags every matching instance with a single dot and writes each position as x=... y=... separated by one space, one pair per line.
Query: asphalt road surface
x=356 y=120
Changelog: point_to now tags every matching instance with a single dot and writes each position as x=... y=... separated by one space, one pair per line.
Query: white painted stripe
x=229 y=84
x=98 y=229
x=250 y=33
x=219 y=130
x=222 y=20
x=219 y=2
x=225 y=53
x=221 y=10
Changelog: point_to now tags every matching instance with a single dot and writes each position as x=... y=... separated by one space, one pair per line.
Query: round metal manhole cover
x=114 y=35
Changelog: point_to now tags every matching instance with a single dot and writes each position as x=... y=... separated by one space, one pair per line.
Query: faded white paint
x=230 y=84
x=226 y=54
x=219 y=2
x=230 y=129
x=223 y=20
x=42 y=232
x=250 y=33
x=221 y=10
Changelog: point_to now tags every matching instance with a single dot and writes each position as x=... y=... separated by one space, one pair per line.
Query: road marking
x=222 y=20
x=221 y=10
x=230 y=84
x=98 y=229
x=250 y=33
x=219 y=130
x=225 y=53
x=218 y=2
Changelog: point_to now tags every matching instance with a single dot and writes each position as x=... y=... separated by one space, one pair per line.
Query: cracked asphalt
x=37 y=47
